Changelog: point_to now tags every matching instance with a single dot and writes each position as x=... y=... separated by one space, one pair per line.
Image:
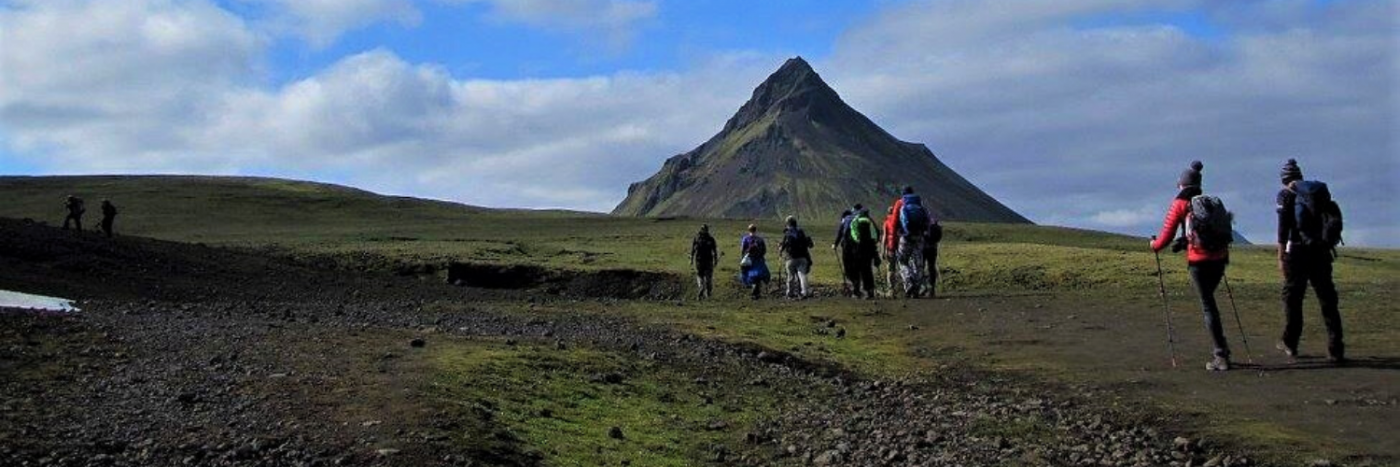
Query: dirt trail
x=188 y=355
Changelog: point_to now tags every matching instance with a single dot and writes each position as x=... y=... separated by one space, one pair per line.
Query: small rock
x=717 y=425
x=1320 y=463
x=615 y=433
x=387 y=452
x=417 y=343
x=831 y=457
x=1182 y=443
x=840 y=333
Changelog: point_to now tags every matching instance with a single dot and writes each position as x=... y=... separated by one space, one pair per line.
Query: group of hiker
x=75 y=207
x=1309 y=230
x=908 y=243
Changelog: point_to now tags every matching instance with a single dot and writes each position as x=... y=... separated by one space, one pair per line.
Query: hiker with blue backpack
x=1208 y=234
x=753 y=268
x=797 y=247
x=1309 y=230
x=913 y=225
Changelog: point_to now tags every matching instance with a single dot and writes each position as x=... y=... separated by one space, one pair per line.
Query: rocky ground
x=188 y=355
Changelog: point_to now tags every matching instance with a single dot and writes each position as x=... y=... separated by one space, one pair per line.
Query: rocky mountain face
x=795 y=148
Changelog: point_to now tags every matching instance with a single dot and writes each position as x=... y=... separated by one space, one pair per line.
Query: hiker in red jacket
x=891 y=245
x=1207 y=253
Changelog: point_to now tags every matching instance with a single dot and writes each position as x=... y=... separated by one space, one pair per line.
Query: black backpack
x=796 y=243
x=1209 y=225
x=704 y=247
x=1317 y=218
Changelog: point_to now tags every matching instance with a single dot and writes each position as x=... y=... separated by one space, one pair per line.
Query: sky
x=1078 y=113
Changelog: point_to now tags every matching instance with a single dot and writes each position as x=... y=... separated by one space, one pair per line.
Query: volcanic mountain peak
x=796 y=148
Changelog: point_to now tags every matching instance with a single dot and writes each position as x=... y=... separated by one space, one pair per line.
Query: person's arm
x=1285 y=225
x=1175 y=215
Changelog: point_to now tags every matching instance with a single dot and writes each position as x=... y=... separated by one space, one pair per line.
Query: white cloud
x=320 y=22
x=1080 y=126
x=615 y=20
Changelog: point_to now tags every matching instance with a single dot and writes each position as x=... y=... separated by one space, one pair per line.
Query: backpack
x=796 y=243
x=704 y=248
x=1209 y=224
x=758 y=248
x=913 y=218
x=934 y=234
x=863 y=231
x=1317 y=218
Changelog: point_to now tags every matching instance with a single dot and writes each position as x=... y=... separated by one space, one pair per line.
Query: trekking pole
x=1162 y=290
x=1231 y=293
x=841 y=263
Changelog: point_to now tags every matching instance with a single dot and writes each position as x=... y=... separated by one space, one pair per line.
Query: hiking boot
x=1337 y=359
x=1218 y=364
x=1292 y=353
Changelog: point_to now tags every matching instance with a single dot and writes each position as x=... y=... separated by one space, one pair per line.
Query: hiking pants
x=797 y=269
x=1299 y=268
x=107 y=226
x=911 y=263
x=865 y=273
x=1206 y=275
x=931 y=266
x=705 y=279
x=77 y=220
x=849 y=260
x=891 y=271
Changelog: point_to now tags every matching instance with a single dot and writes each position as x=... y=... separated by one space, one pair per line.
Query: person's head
x=846 y=213
x=864 y=212
x=791 y=221
x=857 y=207
x=1290 y=172
x=753 y=228
x=1191 y=176
x=908 y=190
x=705 y=228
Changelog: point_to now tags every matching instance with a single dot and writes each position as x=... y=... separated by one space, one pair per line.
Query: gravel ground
x=189 y=355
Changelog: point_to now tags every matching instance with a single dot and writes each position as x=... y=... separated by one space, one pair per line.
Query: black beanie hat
x=1192 y=176
x=1290 y=172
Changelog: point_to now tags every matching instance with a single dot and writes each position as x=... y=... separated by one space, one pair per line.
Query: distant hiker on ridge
x=865 y=244
x=1309 y=230
x=1207 y=242
x=75 y=208
x=704 y=255
x=753 y=269
x=913 y=225
x=109 y=215
x=797 y=246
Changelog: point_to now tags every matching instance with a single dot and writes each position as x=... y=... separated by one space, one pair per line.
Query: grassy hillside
x=303 y=218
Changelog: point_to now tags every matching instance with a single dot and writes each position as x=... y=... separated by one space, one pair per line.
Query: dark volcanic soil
x=189 y=355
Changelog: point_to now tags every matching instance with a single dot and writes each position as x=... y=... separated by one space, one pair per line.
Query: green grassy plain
x=1074 y=307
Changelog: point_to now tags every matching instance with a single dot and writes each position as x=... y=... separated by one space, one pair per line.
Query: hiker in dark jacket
x=109 y=215
x=704 y=255
x=755 y=273
x=75 y=208
x=931 y=240
x=864 y=243
x=1206 y=266
x=1300 y=264
x=797 y=246
x=845 y=249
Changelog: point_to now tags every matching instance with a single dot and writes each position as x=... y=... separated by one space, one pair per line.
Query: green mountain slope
x=796 y=148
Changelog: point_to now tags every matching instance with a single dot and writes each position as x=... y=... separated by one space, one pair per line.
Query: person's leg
x=850 y=269
x=791 y=283
x=66 y=220
x=802 y=277
x=1321 y=278
x=931 y=268
x=1295 y=283
x=891 y=273
x=107 y=227
x=867 y=275
x=1206 y=277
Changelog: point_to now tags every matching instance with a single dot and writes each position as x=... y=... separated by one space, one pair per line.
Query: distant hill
x=796 y=148
x=192 y=207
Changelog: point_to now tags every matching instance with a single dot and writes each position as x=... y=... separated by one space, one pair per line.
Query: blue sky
x=562 y=103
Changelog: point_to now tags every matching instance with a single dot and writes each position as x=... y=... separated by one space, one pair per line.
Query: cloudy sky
x=1072 y=112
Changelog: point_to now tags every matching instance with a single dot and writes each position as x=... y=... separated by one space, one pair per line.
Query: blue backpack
x=913 y=218
x=1316 y=216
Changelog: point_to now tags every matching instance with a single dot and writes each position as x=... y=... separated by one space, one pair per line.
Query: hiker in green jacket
x=865 y=240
